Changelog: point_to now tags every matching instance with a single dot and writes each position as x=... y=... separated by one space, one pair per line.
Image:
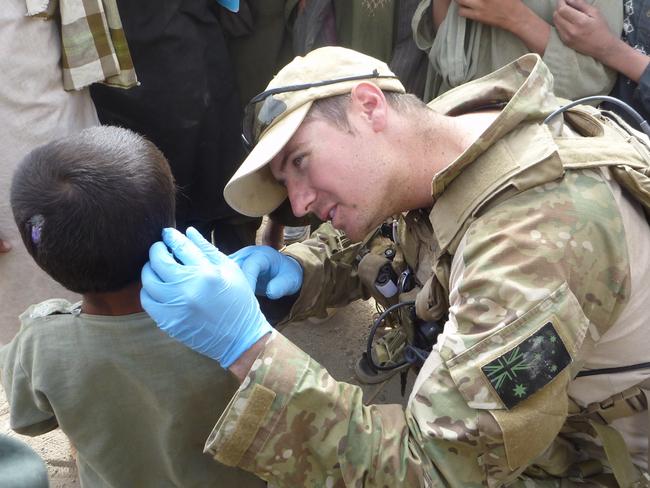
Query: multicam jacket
x=533 y=261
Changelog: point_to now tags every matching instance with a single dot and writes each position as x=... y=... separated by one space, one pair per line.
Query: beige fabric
x=627 y=342
x=463 y=50
x=34 y=108
x=94 y=44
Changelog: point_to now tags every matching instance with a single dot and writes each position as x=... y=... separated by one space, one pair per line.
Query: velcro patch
x=527 y=367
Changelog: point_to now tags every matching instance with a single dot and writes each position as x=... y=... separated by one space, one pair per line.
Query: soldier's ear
x=369 y=103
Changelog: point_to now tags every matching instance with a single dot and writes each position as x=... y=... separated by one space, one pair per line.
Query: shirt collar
x=525 y=85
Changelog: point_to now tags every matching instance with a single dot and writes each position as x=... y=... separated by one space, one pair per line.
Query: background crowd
x=182 y=73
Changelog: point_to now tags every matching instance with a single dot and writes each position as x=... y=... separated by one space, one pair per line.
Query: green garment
x=136 y=404
x=534 y=281
x=363 y=25
x=379 y=28
x=463 y=50
x=20 y=466
x=261 y=47
x=366 y=26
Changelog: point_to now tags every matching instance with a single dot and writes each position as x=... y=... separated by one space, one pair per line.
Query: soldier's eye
x=297 y=161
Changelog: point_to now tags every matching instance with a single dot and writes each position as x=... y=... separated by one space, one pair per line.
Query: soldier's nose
x=301 y=200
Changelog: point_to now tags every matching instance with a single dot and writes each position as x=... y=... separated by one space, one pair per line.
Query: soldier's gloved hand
x=268 y=271
x=204 y=301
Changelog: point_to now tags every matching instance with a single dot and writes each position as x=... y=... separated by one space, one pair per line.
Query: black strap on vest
x=643 y=124
x=620 y=369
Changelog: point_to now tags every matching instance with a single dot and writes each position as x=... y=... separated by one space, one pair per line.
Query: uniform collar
x=525 y=85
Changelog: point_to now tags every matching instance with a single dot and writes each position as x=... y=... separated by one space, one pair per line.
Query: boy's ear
x=369 y=102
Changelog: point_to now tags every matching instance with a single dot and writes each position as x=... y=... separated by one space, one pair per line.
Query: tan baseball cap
x=274 y=115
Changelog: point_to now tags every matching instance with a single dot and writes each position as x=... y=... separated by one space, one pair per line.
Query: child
x=136 y=404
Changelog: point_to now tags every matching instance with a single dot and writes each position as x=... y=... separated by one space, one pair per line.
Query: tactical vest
x=488 y=182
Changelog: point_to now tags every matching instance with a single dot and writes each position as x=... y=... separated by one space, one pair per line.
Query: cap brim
x=252 y=190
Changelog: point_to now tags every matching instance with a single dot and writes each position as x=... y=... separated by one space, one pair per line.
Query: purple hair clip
x=36 y=223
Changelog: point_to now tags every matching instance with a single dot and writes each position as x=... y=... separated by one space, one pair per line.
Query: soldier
x=531 y=236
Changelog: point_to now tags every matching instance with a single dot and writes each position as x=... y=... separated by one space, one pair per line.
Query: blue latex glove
x=205 y=302
x=268 y=271
x=232 y=5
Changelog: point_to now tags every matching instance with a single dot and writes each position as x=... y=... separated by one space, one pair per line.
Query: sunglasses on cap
x=263 y=108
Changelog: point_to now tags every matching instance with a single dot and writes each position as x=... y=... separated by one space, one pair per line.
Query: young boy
x=136 y=404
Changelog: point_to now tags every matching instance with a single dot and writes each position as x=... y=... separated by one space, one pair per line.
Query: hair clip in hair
x=36 y=223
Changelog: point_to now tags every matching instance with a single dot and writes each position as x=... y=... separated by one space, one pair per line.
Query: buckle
x=620 y=405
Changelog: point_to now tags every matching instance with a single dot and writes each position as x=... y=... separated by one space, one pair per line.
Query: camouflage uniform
x=534 y=267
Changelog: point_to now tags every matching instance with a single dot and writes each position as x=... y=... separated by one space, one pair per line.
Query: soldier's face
x=334 y=175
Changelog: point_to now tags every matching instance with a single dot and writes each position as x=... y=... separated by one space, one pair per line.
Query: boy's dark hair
x=89 y=206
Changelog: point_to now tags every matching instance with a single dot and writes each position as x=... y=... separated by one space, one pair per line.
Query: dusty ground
x=335 y=343
x=53 y=447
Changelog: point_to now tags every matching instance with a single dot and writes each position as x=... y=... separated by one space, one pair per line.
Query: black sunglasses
x=257 y=118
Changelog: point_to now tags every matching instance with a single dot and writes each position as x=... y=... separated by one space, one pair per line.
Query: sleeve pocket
x=522 y=357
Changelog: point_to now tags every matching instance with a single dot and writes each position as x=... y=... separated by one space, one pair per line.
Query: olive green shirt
x=136 y=404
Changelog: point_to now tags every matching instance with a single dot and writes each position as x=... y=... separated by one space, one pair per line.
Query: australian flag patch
x=528 y=367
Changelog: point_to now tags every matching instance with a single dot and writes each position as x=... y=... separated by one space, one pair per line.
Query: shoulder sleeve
x=292 y=424
x=587 y=76
x=535 y=280
x=31 y=412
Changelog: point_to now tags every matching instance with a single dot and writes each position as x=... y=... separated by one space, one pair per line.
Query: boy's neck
x=122 y=302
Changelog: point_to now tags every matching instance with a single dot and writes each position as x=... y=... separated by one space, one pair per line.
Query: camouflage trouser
x=599 y=481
